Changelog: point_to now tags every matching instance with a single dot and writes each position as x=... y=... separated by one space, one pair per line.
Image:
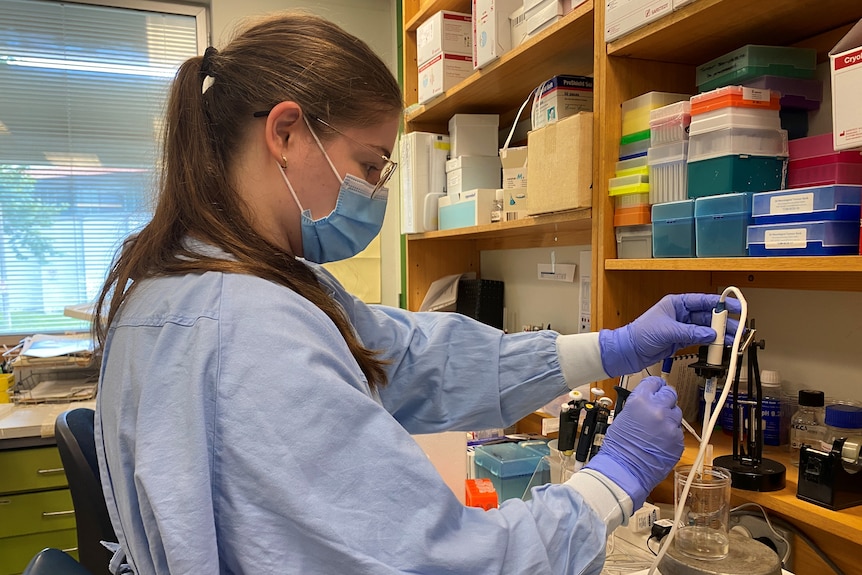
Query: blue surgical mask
x=350 y=227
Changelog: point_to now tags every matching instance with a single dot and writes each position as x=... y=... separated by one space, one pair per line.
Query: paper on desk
x=41 y=345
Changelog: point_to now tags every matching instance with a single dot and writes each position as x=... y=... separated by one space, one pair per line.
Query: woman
x=255 y=418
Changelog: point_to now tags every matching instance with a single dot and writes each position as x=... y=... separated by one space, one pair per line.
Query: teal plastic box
x=720 y=224
x=509 y=466
x=752 y=61
x=734 y=174
x=673 y=230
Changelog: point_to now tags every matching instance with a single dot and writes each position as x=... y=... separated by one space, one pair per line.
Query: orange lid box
x=481 y=493
x=736 y=96
x=633 y=216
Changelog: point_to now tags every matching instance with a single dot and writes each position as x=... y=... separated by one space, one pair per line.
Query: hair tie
x=206 y=72
x=207 y=62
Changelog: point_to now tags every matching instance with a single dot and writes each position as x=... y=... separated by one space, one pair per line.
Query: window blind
x=82 y=94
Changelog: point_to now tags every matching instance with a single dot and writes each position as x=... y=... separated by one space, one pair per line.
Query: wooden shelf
x=788 y=264
x=564 y=48
x=706 y=29
x=560 y=223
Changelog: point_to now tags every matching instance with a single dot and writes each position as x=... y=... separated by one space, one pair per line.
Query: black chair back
x=54 y=562
x=74 y=432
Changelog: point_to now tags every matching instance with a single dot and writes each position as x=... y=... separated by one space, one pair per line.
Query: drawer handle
x=70 y=550
x=57 y=513
x=50 y=471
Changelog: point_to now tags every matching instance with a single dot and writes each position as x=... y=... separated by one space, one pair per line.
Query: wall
x=530 y=301
x=374 y=21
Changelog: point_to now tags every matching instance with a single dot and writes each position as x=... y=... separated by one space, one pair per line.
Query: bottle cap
x=770 y=376
x=811 y=398
x=844 y=416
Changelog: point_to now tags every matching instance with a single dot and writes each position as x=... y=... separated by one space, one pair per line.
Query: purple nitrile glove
x=644 y=443
x=675 y=322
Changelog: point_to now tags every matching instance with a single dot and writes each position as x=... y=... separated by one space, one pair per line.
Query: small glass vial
x=842 y=420
x=807 y=424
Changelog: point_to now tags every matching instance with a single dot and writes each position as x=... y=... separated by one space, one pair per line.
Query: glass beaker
x=703 y=532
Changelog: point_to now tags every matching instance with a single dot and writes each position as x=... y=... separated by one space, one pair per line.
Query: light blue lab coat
x=236 y=434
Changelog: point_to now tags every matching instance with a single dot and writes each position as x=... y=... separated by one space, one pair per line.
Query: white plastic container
x=670 y=123
x=668 y=173
x=634 y=242
x=631 y=200
x=737 y=141
x=474 y=134
x=732 y=117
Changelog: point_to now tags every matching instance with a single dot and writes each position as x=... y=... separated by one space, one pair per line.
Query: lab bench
x=36 y=508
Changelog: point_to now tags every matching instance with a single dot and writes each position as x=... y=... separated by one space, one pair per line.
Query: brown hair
x=289 y=56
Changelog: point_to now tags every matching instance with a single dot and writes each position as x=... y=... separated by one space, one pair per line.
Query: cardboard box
x=514 y=161
x=471 y=208
x=518 y=26
x=442 y=73
x=560 y=97
x=470 y=172
x=423 y=179
x=492 y=35
x=623 y=16
x=846 y=70
x=560 y=158
x=444 y=32
x=514 y=205
x=543 y=15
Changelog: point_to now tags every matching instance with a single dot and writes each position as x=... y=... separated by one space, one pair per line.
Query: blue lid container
x=509 y=466
x=721 y=223
x=673 y=233
x=844 y=416
x=816 y=203
x=823 y=238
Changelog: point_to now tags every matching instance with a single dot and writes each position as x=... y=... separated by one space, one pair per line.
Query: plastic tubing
x=707 y=433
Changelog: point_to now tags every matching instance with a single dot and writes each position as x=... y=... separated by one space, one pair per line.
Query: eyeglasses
x=388 y=165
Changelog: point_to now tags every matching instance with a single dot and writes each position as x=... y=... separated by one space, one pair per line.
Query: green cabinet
x=35 y=506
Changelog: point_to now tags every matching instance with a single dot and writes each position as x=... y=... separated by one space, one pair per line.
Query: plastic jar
x=842 y=420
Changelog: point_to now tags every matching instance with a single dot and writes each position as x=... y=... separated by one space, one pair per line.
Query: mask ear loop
x=319 y=145
x=286 y=181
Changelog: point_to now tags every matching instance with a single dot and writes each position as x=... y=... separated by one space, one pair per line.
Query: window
x=82 y=94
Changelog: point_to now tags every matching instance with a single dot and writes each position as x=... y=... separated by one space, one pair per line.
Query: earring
x=283 y=162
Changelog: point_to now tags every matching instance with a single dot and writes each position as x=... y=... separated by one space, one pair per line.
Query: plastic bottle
x=771 y=408
x=807 y=424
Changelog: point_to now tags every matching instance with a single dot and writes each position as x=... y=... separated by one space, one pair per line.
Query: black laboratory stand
x=748 y=468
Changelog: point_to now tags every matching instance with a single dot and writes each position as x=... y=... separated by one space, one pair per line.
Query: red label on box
x=848 y=59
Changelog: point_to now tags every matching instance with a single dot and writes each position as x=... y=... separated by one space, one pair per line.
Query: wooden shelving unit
x=660 y=56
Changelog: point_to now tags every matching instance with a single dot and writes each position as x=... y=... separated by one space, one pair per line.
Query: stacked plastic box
x=813 y=221
x=631 y=186
x=668 y=152
x=814 y=162
x=735 y=142
x=788 y=71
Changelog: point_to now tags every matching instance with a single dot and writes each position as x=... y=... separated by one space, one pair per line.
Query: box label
x=796 y=238
x=756 y=94
x=792 y=204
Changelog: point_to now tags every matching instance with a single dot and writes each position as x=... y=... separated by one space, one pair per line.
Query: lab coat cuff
x=611 y=504
x=580 y=358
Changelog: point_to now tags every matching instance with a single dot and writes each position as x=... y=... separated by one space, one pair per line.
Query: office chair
x=76 y=442
x=54 y=562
